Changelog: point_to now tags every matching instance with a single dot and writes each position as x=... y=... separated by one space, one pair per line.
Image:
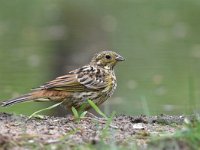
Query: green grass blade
x=83 y=114
x=41 y=110
x=96 y=108
x=75 y=112
x=110 y=119
x=108 y=123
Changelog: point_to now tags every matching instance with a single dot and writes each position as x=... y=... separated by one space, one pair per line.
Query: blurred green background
x=40 y=40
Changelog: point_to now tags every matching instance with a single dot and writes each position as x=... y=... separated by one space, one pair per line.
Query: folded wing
x=84 y=79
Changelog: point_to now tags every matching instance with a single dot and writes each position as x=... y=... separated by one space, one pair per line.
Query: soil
x=19 y=132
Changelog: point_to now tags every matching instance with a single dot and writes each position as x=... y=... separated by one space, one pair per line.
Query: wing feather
x=93 y=78
x=83 y=79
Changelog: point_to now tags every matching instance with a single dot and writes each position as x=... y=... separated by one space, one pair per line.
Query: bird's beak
x=119 y=58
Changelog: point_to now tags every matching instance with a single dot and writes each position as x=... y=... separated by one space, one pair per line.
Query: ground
x=132 y=132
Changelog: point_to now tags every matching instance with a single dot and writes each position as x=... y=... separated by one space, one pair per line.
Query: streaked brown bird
x=95 y=81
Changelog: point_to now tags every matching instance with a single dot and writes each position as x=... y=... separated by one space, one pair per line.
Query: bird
x=95 y=81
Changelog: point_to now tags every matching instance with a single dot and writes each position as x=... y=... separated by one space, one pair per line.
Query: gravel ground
x=19 y=132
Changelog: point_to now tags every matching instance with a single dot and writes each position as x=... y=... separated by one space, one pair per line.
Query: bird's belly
x=86 y=95
x=98 y=97
x=82 y=98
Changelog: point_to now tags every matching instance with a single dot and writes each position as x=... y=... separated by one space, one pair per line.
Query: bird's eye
x=108 y=57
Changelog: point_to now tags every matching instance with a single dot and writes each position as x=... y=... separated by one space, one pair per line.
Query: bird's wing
x=86 y=78
x=93 y=78
x=64 y=83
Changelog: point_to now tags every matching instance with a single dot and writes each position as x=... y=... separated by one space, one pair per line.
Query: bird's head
x=106 y=59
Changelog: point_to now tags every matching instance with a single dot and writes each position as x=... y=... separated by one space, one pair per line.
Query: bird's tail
x=23 y=98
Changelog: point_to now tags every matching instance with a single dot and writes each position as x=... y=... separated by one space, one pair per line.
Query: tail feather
x=23 y=98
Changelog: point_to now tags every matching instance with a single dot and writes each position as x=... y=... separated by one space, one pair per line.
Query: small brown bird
x=95 y=81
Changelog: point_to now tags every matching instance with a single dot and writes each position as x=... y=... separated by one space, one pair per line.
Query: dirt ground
x=19 y=132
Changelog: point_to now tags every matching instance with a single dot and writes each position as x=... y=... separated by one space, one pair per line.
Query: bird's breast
x=112 y=84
